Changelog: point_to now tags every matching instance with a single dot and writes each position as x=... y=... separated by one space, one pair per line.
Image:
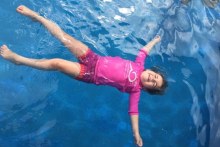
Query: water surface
x=40 y=108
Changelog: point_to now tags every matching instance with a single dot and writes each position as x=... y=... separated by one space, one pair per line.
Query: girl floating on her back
x=125 y=75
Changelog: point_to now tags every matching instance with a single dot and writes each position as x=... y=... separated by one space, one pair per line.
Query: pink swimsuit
x=117 y=72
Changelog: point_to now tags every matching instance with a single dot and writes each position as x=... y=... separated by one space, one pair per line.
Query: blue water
x=49 y=109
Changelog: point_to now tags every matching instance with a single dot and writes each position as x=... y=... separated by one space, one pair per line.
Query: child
x=125 y=75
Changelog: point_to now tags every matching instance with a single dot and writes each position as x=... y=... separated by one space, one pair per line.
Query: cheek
x=145 y=78
x=148 y=84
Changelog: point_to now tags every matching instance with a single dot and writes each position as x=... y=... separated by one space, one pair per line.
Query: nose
x=150 y=77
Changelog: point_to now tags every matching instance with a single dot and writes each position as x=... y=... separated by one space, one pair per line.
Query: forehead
x=159 y=80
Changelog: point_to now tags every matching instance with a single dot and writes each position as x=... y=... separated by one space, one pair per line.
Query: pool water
x=49 y=109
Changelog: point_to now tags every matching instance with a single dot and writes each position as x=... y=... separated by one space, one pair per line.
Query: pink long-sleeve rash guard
x=122 y=74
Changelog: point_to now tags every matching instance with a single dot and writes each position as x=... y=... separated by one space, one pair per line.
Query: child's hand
x=138 y=140
x=147 y=48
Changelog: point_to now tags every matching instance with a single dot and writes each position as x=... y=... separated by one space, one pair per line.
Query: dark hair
x=164 y=85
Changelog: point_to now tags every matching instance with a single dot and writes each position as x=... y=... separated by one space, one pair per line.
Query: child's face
x=151 y=80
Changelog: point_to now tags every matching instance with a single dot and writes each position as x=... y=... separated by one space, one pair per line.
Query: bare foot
x=27 y=12
x=7 y=54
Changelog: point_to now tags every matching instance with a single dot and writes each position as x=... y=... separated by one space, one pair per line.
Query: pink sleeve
x=133 y=103
x=141 y=57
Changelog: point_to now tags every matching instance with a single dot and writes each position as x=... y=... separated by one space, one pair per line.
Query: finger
x=20 y=7
x=140 y=143
x=157 y=36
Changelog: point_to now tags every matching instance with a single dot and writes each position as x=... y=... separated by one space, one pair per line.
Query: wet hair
x=164 y=85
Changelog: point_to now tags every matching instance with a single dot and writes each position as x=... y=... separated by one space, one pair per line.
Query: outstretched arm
x=135 y=129
x=147 y=48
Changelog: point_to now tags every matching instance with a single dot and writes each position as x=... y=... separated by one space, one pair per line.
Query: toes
x=1 y=50
x=4 y=49
x=3 y=46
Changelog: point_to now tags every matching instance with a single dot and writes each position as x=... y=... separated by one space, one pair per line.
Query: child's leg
x=67 y=67
x=75 y=46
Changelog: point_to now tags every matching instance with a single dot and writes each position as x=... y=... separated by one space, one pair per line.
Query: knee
x=56 y=64
x=66 y=39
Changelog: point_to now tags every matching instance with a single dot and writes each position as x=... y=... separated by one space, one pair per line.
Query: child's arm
x=135 y=129
x=147 y=48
